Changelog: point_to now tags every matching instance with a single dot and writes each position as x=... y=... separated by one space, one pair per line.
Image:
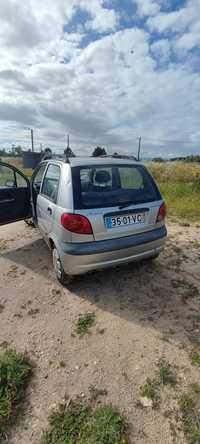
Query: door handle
x=49 y=210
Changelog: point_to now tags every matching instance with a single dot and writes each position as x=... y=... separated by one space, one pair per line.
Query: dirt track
x=143 y=312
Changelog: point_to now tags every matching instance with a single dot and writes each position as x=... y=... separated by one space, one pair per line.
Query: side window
x=131 y=178
x=21 y=181
x=7 y=177
x=51 y=182
x=38 y=177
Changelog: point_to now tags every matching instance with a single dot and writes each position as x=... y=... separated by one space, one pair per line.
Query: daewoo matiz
x=93 y=212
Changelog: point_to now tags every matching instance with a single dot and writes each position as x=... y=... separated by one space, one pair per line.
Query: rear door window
x=113 y=185
x=51 y=182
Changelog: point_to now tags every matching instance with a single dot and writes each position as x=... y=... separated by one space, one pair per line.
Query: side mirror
x=10 y=184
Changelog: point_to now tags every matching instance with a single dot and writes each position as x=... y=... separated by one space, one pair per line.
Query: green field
x=180 y=186
x=179 y=183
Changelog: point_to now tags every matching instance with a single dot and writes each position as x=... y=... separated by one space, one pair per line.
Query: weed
x=84 y=323
x=189 y=403
x=166 y=376
x=15 y=370
x=166 y=335
x=80 y=424
x=96 y=392
x=151 y=390
x=62 y=364
x=195 y=358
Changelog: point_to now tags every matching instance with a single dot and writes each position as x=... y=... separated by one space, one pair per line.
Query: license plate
x=128 y=219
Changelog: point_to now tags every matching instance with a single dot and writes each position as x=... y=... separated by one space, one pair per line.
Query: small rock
x=146 y=402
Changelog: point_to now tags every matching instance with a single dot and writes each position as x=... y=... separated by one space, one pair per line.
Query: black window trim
x=44 y=195
x=37 y=169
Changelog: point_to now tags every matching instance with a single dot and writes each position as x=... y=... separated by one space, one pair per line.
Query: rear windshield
x=112 y=185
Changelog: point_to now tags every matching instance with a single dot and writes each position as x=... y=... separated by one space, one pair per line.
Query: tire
x=58 y=268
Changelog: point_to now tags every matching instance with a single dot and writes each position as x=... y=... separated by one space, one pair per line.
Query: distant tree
x=68 y=152
x=158 y=159
x=99 y=151
x=18 y=151
x=2 y=152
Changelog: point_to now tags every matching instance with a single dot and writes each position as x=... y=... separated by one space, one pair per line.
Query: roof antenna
x=67 y=150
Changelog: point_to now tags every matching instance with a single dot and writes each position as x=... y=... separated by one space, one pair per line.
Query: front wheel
x=58 y=268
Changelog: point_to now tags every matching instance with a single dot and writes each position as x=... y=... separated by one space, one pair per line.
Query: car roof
x=83 y=161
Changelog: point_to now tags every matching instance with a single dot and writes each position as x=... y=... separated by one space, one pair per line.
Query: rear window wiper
x=126 y=205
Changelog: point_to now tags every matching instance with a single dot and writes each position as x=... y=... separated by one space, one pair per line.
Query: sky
x=106 y=72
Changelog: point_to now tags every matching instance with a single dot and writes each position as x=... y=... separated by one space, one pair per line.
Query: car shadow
x=156 y=293
x=35 y=256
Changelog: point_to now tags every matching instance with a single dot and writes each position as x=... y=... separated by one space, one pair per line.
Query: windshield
x=112 y=185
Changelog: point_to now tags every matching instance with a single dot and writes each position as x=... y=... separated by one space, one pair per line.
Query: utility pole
x=139 y=146
x=32 y=143
x=67 y=140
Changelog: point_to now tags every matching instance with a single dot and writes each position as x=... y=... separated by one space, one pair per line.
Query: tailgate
x=109 y=223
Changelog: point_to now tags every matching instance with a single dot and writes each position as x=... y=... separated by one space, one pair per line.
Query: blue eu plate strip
x=109 y=222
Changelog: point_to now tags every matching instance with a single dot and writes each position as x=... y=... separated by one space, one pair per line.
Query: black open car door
x=14 y=195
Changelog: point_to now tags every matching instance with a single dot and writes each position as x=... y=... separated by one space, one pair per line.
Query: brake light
x=76 y=223
x=162 y=212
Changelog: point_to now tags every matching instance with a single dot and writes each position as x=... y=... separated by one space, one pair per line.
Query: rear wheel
x=58 y=268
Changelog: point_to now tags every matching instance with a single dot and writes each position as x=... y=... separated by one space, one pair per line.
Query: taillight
x=162 y=212
x=76 y=223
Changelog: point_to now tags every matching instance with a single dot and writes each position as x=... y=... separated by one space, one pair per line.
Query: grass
x=179 y=183
x=182 y=200
x=15 y=371
x=189 y=406
x=195 y=359
x=151 y=390
x=80 y=424
x=84 y=323
x=164 y=376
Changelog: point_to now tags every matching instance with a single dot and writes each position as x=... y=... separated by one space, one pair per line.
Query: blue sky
x=106 y=72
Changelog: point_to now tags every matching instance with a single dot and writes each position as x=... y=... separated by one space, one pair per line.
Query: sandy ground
x=143 y=312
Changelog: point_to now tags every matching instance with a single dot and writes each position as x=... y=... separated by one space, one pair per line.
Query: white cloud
x=103 y=21
x=182 y=26
x=161 y=50
x=147 y=7
x=108 y=92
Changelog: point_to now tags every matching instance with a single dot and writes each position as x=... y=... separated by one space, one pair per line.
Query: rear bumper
x=80 y=257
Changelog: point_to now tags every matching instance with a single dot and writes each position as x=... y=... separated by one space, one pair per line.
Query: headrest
x=102 y=176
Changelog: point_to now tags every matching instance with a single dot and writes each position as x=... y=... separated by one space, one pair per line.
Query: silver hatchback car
x=93 y=212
